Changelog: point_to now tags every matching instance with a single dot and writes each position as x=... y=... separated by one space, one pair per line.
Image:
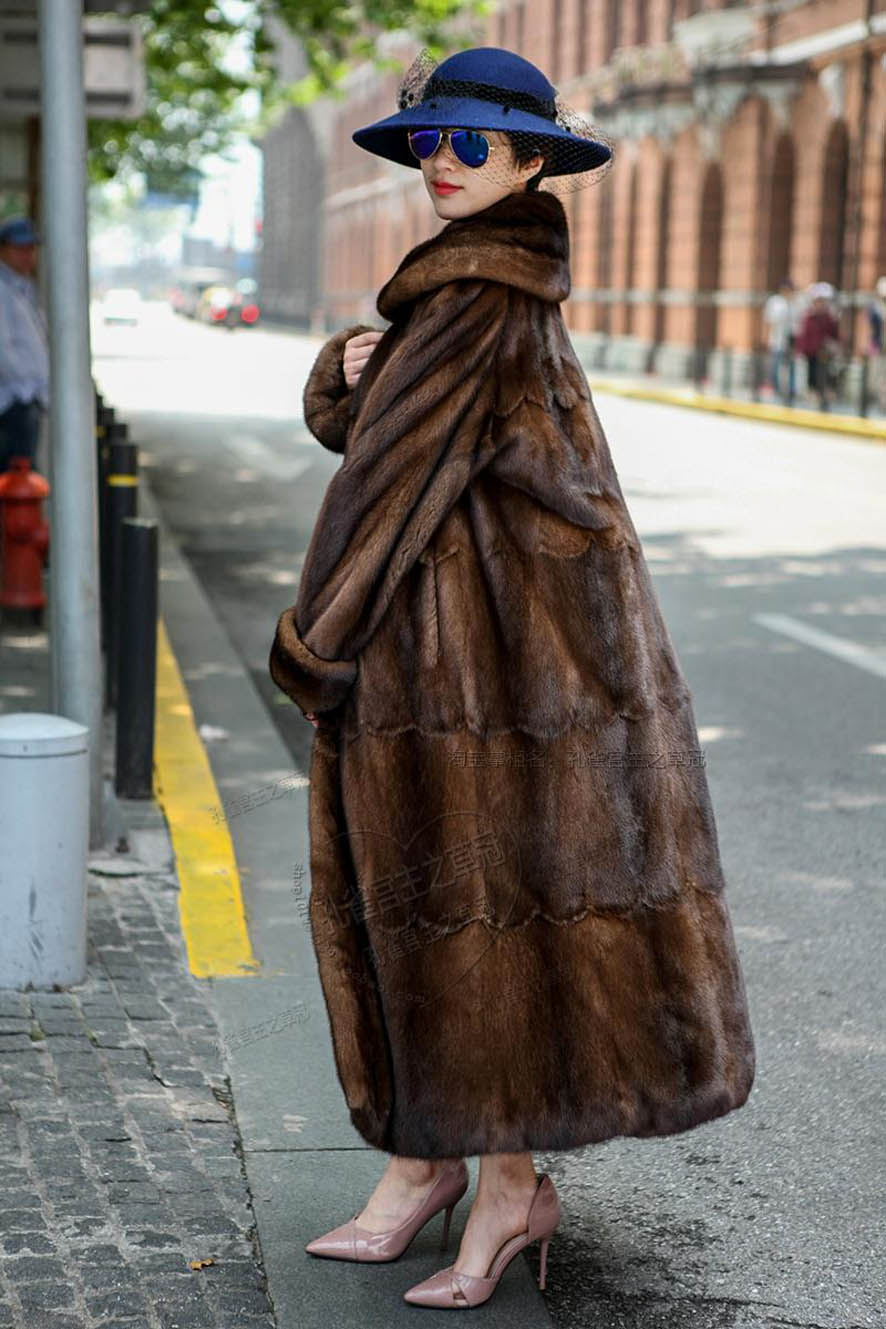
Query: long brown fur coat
x=517 y=900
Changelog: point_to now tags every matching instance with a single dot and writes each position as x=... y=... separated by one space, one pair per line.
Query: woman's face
x=457 y=190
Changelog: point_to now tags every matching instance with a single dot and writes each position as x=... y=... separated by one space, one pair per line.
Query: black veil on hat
x=487 y=87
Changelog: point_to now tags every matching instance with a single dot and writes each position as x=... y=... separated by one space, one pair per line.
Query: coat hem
x=350 y=733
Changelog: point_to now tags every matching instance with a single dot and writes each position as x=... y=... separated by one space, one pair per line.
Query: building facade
x=750 y=144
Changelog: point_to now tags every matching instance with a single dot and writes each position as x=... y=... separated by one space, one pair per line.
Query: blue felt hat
x=485 y=87
x=18 y=231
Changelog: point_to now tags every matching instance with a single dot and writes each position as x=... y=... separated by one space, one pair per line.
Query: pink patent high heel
x=452 y=1290
x=349 y=1241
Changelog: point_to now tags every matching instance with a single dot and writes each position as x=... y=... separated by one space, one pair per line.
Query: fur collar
x=521 y=240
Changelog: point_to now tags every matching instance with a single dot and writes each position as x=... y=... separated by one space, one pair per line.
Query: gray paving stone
x=18 y=1042
x=189 y=1317
x=18 y=1199
x=27 y=1268
x=243 y=1301
x=23 y=1220
x=40 y=1296
x=108 y=1132
x=38 y=1319
x=133 y=1192
x=116 y=1303
x=137 y=1323
x=114 y=1278
x=31 y=1243
x=210 y=1224
x=155 y=1240
x=88 y=1226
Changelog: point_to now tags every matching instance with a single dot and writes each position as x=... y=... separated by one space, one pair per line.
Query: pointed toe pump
x=452 y=1290
x=349 y=1241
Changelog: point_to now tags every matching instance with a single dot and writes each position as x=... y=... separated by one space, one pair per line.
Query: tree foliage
x=201 y=56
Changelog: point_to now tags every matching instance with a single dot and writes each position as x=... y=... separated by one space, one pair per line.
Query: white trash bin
x=44 y=840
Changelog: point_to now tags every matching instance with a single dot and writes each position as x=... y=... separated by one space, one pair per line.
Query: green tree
x=201 y=56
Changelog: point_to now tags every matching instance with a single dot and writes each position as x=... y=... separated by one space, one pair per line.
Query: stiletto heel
x=445 y=1238
x=349 y=1241
x=456 y=1291
x=542 y=1264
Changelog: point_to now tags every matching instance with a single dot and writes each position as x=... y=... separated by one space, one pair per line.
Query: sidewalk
x=149 y=1119
x=121 y=1164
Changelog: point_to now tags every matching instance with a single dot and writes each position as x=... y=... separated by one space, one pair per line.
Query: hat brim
x=567 y=153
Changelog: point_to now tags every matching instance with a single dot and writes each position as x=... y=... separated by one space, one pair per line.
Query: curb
x=213 y=920
x=782 y=415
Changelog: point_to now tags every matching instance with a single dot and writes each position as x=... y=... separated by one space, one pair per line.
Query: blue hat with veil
x=487 y=87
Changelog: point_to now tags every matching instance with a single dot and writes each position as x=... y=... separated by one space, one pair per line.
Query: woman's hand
x=356 y=352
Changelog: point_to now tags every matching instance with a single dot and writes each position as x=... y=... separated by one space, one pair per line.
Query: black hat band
x=488 y=92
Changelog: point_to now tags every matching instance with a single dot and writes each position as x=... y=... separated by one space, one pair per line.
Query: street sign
x=113 y=68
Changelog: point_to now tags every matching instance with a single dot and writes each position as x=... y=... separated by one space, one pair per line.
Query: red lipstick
x=441 y=188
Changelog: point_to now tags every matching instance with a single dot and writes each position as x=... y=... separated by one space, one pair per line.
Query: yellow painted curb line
x=841 y=424
x=210 y=901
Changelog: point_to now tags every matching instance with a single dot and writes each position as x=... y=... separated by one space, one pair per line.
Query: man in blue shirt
x=24 y=347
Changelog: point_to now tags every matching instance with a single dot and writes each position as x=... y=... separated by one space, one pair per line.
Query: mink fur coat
x=517 y=901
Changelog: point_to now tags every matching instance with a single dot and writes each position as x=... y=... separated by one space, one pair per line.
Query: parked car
x=230 y=306
x=192 y=283
x=122 y=305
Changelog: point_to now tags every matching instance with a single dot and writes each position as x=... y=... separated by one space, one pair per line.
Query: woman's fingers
x=357 y=351
x=364 y=338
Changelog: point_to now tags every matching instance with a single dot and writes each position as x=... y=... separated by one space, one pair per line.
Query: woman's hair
x=525 y=146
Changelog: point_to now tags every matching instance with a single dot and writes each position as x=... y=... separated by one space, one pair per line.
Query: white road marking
x=841 y=647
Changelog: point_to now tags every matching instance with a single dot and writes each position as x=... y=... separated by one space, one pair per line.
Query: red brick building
x=750 y=143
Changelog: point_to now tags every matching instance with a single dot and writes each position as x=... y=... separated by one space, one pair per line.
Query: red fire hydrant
x=24 y=536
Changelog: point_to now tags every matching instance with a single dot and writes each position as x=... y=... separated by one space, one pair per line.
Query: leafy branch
x=202 y=56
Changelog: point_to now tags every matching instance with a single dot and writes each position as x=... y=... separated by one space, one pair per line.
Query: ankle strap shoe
x=452 y=1290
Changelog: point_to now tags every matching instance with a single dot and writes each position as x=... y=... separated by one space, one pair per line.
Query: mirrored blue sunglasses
x=469 y=145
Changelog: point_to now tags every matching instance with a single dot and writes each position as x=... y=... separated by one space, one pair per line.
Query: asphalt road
x=768 y=550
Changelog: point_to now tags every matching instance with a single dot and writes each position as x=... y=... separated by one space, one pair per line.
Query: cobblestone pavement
x=120 y=1158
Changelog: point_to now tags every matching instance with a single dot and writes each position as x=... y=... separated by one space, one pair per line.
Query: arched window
x=832 y=228
x=661 y=258
x=631 y=252
x=881 y=232
x=781 y=213
x=604 y=260
x=710 y=231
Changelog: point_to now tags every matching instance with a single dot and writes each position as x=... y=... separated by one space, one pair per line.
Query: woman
x=819 y=341
x=517 y=900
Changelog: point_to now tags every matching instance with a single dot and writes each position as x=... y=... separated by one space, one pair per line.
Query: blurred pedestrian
x=819 y=341
x=781 y=315
x=24 y=343
x=877 y=343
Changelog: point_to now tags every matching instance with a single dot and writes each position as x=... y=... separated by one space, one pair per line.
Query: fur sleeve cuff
x=313 y=683
x=327 y=397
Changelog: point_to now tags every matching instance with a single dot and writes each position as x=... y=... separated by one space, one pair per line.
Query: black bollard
x=756 y=373
x=136 y=660
x=864 y=392
x=121 y=498
x=104 y=416
x=114 y=432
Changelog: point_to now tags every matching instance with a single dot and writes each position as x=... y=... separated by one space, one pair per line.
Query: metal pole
x=76 y=682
